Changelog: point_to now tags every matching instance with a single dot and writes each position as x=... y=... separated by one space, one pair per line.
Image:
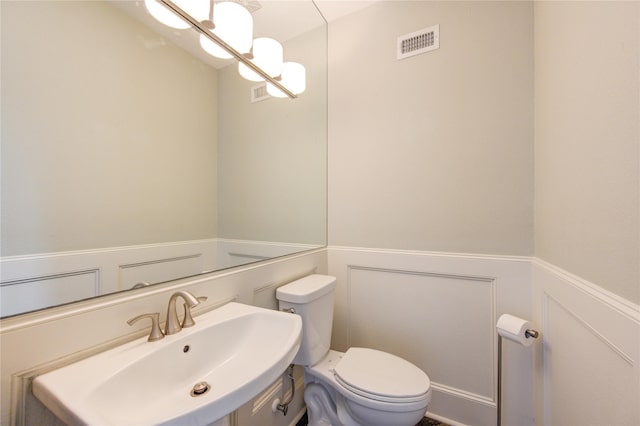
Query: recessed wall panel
x=582 y=364
x=38 y=292
x=433 y=320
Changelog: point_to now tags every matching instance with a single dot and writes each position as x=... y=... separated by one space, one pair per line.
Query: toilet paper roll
x=514 y=329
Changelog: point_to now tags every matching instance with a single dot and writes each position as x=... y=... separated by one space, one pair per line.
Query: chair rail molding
x=590 y=342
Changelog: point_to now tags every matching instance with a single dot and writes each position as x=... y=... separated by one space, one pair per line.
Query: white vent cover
x=259 y=93
x=419 y=42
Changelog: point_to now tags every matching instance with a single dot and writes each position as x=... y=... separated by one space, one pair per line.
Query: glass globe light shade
x=293 y=78
x=234 y=25
x=267 y=54
x=198 y=9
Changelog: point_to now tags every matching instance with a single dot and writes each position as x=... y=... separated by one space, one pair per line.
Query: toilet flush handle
x=289 y=310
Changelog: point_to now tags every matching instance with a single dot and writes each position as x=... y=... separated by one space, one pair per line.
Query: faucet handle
x=188 y=319
x=156 y=333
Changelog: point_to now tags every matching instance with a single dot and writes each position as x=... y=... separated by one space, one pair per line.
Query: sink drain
x=200 y=389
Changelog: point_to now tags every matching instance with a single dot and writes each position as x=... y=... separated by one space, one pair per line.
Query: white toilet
x=360 y=387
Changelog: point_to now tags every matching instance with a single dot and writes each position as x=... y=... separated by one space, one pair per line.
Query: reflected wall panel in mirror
x=130 y=158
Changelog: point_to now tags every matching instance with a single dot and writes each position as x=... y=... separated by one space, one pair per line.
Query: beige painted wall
x=433 y=152
x=115 y=157
x=587 y=140
x=272 y=154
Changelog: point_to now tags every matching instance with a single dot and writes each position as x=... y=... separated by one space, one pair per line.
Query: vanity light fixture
x=261 y=62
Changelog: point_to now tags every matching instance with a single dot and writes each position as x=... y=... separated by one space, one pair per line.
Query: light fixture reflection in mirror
x=267 y=54
x=233 y=24
x=263 y=62
x=88 y=224
x=198 y=9
x=293 y=76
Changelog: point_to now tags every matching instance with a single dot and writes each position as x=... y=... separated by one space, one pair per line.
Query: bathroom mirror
x=131 y=157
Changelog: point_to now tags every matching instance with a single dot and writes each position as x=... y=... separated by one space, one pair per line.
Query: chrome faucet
x=156 y=332
x=188 y=321
x=173 y=325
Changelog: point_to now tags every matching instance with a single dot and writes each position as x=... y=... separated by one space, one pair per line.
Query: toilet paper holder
x=529 y=334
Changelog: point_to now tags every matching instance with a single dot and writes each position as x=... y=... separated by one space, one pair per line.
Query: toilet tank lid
x=306 y=289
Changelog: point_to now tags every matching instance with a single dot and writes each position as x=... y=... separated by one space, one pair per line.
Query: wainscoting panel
x=38 y=342
x=33 y=282
x=231 y=253
x=589 y=362
x=159 y=270
x=454 y=318
x=439 y=311
x=35 y=292
x=38 y=281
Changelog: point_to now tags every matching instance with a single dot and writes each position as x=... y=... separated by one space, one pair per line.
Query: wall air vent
x=419 y=42
x=259 y=93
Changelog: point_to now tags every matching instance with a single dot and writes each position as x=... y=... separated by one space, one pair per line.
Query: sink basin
x=237 y=349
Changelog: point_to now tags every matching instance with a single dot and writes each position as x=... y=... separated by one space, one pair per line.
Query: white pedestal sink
x=238 y=350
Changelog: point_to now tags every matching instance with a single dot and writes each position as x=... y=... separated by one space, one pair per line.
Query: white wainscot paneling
x=34 y=282
x=159 y=270
x=39 y=342
x=439 y=311
x=232 y=253
x=589 y=370
x=35 y=292
x=453 y=318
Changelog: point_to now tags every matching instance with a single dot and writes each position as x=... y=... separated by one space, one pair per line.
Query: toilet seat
x=381 y=376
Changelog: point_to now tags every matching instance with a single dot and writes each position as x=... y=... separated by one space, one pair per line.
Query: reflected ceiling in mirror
x=131 y=157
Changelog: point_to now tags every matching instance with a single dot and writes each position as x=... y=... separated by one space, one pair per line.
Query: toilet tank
x=312 y=298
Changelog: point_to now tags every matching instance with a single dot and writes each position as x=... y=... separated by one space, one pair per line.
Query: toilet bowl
x=359 y=387
x=366 y=387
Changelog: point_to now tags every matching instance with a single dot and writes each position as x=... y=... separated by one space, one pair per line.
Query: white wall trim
x=42 y=280
x=432 y=254
x=560 y=304
x=489 y=400
x=68 y=330
x=405 y=319
x=71 y=276
x=556 y=300
x=233 y=252
x=587 y=326
x=590 y=339
x=612 y=300
x=104 y=302
x=469 y=396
